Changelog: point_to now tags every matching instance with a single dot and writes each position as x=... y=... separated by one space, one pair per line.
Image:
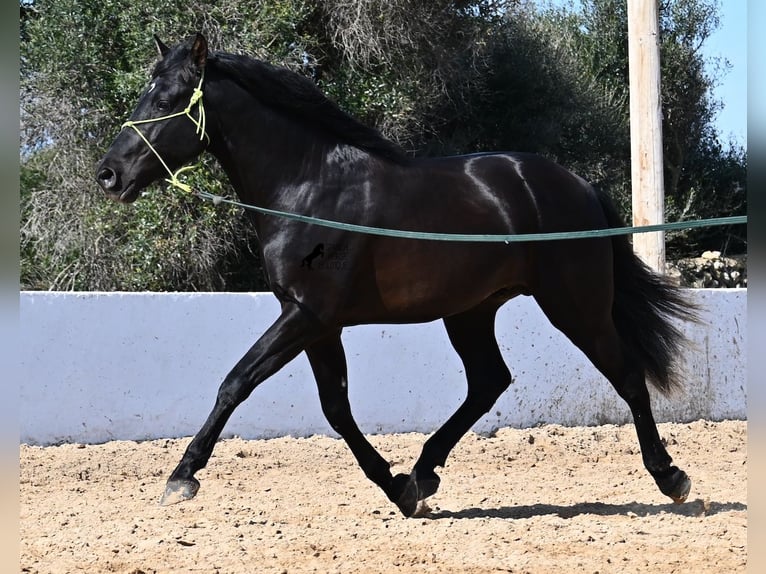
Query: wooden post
x=646 y=130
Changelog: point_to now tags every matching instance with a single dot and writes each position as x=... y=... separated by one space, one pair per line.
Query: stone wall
x=709 y=271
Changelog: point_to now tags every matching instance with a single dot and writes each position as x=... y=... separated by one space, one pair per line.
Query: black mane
x=297 y=95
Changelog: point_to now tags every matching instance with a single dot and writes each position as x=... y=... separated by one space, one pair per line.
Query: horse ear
x=198 y=52
x=162 y=49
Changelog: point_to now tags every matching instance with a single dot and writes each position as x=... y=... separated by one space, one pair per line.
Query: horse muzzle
x=111 y=181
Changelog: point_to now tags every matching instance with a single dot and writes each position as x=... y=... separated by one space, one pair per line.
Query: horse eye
x=163 y=105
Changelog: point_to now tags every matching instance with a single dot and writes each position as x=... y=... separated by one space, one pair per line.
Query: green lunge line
x=422 y=235
x=478 y=238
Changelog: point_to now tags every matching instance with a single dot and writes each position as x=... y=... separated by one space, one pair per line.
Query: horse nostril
x=107 y=178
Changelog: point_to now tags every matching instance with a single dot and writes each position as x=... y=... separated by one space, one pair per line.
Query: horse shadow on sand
x=693 y=508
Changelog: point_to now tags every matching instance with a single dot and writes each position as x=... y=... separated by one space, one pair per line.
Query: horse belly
x=426 y=281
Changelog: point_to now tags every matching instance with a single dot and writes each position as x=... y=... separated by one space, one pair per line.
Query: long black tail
x=644 y=305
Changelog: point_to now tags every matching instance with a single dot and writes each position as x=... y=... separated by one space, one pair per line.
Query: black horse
x=285 y=146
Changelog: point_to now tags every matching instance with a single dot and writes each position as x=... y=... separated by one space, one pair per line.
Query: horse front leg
x=328 y=362
x=472 y=335
x=287 y=336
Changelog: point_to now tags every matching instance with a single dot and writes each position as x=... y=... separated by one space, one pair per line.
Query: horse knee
x=233 y=390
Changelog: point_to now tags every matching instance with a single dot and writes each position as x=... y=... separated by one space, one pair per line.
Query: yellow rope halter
x=199 y=123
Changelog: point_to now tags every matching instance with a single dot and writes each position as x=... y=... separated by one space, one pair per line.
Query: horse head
x=167 y=128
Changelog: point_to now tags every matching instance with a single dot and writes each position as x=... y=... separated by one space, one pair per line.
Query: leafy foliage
x=702 y=178
x=439 y=77
x=83 y=65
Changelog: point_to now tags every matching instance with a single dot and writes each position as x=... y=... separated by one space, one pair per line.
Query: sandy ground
x=549 y=499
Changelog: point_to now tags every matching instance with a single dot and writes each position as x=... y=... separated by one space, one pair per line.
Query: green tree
x=83 y=65
x=702 y=178
x=439 y=77
x=538 y=94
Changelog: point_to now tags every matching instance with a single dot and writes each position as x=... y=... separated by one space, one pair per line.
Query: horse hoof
x=681 y=492
x=179 y=490
x=676 y=484
x=407 y=499
x=427 y=486
x=422 y=509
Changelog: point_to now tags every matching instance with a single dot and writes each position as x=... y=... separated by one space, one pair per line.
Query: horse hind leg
x=631 y=386
x=587 y=322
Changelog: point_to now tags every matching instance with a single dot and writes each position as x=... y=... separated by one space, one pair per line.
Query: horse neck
x=263 y=151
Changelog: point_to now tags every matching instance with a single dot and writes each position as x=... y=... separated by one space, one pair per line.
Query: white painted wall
x=105 y=366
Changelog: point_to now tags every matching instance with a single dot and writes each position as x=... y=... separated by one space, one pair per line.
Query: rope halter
x=199 y=123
